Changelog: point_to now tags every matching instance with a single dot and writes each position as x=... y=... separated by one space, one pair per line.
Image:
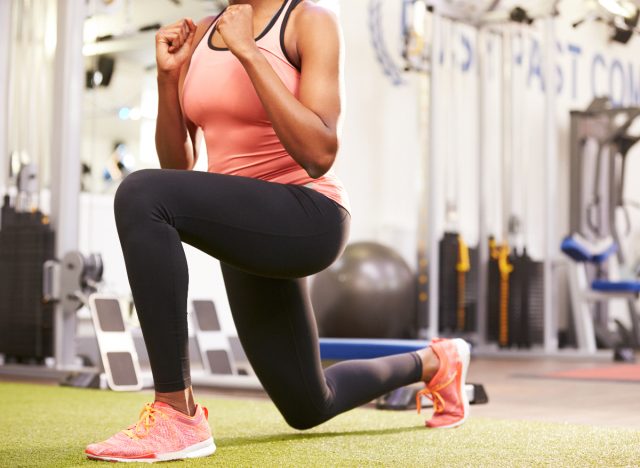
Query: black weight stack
x=471 y=292
x=458 y=296
x=533 y=298
x=493 y=296
x=517 y=302
x=448 y=284
x=26 y=323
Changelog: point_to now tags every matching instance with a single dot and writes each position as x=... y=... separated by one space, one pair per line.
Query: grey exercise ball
x=369 y=292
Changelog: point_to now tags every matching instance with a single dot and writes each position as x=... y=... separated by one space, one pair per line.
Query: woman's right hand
x=173 y=46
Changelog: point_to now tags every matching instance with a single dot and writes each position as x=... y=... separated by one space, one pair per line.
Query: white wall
x=380 y=139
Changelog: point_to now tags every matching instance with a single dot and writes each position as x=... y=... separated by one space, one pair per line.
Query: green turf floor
x=50 y=426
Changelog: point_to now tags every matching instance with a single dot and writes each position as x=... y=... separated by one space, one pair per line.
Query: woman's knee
x=304 y=415
x=134 y=197
x=304 y=420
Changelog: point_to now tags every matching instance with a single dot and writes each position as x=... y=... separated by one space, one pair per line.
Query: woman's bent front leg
x=259 y=227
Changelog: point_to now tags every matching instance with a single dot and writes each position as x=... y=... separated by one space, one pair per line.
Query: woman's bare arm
x=307 y=126
x=177 y=139
x=173 y=144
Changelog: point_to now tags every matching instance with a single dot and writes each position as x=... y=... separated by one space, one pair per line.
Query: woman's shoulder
x=308 y=14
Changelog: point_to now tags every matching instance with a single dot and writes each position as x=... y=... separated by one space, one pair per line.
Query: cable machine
x=438 y=274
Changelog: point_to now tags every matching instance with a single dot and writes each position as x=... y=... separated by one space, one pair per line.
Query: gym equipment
x=73 y=282
x=499 y=268
x=616 y=146
x=221 y=353
x=70 y=284
x=526 y=301
x=26 y=242
x=424 y=26
x=493 y=291
x=456 y=288
x=525 y=288
x=506 y=321
x=584 y=293
x=368 y=293
x=515 y=281
x=458 y=293
x=480 y=12
x=601 y=139
x=515 y=304
x=359 y=348
x=224 y=362
x=117 y=349
x=26 y=325
x=405 y=398
x=213 y=344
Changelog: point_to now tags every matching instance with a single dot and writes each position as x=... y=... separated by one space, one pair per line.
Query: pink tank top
x=219 y=97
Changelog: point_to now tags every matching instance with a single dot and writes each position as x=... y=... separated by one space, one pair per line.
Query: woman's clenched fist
x=236 y=28
x=173 y=45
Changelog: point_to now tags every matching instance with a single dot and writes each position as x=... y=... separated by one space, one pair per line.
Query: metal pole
x=5 y=48
x=65 y=155
x=423 y=224
x=483 y=253
x=551 y=159
x=506 y=77
x=434 y=172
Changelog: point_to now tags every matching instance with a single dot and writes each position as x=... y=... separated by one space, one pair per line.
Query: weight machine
x=601 y=139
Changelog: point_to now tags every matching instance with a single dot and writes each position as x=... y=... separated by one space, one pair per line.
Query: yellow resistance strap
x=506 y=269
x=494 y=251
x=462 y=268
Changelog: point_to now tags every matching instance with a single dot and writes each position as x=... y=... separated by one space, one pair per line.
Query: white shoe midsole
x=201 y=449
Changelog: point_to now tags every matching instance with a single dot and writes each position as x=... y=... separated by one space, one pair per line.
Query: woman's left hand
x=236 y=28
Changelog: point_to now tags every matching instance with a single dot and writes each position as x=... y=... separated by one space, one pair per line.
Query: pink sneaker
x=162 y=433
x=447 y=388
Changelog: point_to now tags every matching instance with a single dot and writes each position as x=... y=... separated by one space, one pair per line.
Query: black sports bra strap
x=294 y=4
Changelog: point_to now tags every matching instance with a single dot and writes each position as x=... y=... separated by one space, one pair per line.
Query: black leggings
x=268 y=238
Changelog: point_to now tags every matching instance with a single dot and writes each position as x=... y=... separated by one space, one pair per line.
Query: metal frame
x=551 y=188
x=582 y=319
x=483 y=233
x=65 y=155
x=5 y=60
x=434 y=169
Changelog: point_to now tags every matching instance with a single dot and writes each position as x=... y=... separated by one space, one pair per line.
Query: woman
x=269 y=208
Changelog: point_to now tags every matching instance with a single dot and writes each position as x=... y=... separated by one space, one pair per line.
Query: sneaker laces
x=146 y=420
x=433 y=394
